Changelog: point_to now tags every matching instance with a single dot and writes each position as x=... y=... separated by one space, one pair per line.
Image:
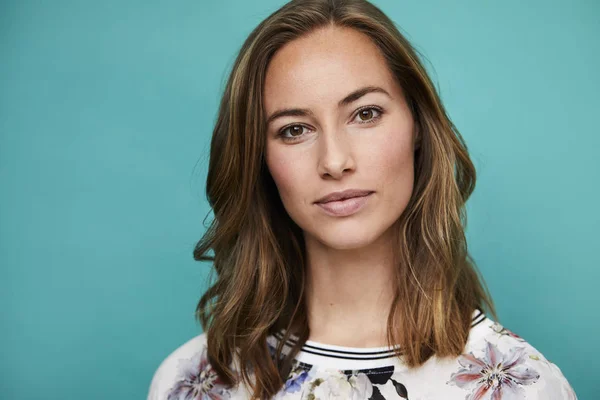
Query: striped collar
x=343 y=357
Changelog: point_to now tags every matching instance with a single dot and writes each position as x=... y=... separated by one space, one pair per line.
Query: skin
x=334 y=148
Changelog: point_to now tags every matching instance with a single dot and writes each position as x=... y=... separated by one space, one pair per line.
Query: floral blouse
x=496 y=364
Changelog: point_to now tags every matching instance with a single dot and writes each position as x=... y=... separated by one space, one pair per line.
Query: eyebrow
x=352 y=97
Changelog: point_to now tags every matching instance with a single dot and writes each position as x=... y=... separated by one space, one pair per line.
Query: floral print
x=496 y=364
x=294 y=382
x=496 y=327
x=198 y=381
x=312 y=383
x=496 y=373
x=334 y=384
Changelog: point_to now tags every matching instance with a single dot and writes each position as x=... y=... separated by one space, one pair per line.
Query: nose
x=335 y=155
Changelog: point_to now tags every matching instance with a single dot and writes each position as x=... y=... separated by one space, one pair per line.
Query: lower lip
x=343 y=208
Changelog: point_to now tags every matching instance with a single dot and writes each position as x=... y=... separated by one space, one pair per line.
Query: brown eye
x=296 y=130
x=366 y=114
x=292 y=132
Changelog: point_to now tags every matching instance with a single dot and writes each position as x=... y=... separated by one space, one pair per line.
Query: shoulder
x=500 y=363
x=186 y=372
x=179 y=366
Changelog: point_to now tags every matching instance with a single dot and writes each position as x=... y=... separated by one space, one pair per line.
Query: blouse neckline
x=345 y=357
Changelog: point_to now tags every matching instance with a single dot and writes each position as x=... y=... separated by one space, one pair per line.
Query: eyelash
x=296 y=138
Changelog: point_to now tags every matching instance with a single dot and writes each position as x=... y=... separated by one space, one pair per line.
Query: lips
x=340 y=205
x=346 y=194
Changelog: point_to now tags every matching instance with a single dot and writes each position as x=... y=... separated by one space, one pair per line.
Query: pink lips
x=341 y=204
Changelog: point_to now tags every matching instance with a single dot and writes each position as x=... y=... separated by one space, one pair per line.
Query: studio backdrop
x=106 y=113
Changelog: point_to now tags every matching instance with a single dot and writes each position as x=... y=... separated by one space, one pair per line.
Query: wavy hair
x=259 y=252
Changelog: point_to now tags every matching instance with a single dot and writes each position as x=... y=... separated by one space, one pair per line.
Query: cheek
x=393 y=154
x=286 y=173
x=392 y=166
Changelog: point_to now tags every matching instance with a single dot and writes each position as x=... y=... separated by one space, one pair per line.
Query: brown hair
x=259 y=251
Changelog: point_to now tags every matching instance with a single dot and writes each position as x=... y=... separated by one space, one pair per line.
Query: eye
x=295 y=131
x=368 y=114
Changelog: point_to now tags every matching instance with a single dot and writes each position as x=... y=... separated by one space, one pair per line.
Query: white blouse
x=496 y=364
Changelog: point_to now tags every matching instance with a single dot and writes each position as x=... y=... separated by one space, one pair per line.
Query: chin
x=347 y=240
x=346 y=244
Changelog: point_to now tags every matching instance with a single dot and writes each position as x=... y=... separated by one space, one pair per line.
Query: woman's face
x=337 y=120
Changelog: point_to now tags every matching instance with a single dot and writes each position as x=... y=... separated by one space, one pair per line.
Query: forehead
x=324 y=66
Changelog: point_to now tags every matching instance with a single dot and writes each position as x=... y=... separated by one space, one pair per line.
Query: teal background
x=106 y=111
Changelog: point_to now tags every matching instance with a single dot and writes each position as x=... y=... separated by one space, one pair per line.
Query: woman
x=338 y=185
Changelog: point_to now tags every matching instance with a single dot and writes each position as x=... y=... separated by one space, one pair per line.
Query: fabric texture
x=496 y=364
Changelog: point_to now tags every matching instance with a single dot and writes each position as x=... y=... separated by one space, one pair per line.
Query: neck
x=349 y=293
